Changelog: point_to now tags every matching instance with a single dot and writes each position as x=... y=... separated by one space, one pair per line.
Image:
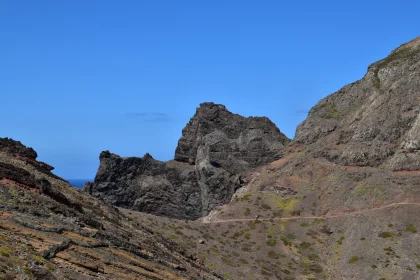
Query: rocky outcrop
x=374 y=121
x=225 y=137
x=215 y=148
x=18 y=150
x=148 y=185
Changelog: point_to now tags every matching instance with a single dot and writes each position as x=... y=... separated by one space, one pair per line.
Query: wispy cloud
x=150 y=116
x=302 y=112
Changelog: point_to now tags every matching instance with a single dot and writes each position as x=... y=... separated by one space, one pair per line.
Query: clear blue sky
x=79 y=77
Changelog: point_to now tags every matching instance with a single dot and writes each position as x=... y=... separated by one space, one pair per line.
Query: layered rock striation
x=216 y=146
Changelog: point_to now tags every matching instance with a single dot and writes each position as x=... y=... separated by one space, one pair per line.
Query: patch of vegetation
x=318 y=221
x=331 y=112
x=313 y=257
x=411 y=228
x=214 y=250
x=305 y=245
x=378 y=83
x=247 y=212
x=211 y=265
x=228 y=261
x=409 y=268
x=285 y=204
x=173 y=236
x=227 y=275
x=38 y=259
x=313 y=267
x=362 y=238
x=304 y=224
x=243 y=261
x=245 y=197
x=386 y=234
x=5 y=251
x=354 y=259
x=49 y=266
x=272 y=231
x=340 y=241
x=271 y=242
x=286 y=241
x=369 y=191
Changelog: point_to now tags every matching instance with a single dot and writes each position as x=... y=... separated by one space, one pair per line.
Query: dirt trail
x=211 y=218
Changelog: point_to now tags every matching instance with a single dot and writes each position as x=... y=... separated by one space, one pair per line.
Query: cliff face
x=215 y=148
x=51 y=230
x=148 y=185
x=374 y=121
x=229 y=139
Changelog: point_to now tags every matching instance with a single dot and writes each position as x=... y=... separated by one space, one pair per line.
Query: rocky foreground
x=50 y=230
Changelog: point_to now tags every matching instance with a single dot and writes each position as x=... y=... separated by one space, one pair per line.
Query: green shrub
x=410 y=228
x=386 y=234
x=354 y=259
x=305 y=245
x=271 y=242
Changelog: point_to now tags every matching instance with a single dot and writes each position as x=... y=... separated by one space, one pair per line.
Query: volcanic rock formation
x=215 y=148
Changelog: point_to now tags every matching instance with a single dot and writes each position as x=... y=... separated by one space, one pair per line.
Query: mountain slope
x=51 y=230
x=343 y=201
x=373 y=121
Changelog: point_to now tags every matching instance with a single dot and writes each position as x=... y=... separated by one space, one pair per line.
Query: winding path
x=211 y=218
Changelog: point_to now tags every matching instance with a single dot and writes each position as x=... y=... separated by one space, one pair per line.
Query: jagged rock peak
x=211 y=117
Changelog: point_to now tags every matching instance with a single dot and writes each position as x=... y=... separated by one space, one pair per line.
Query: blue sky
x=79 y=77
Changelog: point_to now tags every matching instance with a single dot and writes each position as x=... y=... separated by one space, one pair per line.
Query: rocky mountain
x=374 y=121
x=215 y=148
x=51 y=230
x=343 y=201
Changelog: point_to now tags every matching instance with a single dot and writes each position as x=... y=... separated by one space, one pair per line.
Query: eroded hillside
x=50 y=230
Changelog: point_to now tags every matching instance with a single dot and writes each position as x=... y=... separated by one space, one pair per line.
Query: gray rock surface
x=215 y=148
x=374 y=121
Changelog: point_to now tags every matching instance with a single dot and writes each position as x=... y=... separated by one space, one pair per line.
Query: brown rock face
x=215 y=148
x=373 y=121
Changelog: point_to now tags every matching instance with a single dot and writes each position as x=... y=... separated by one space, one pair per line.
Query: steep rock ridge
x=216 y=146
x=51 y=230
x=18 y=150
x=373 y=121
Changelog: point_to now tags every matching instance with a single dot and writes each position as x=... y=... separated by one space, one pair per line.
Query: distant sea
x=78 y=183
